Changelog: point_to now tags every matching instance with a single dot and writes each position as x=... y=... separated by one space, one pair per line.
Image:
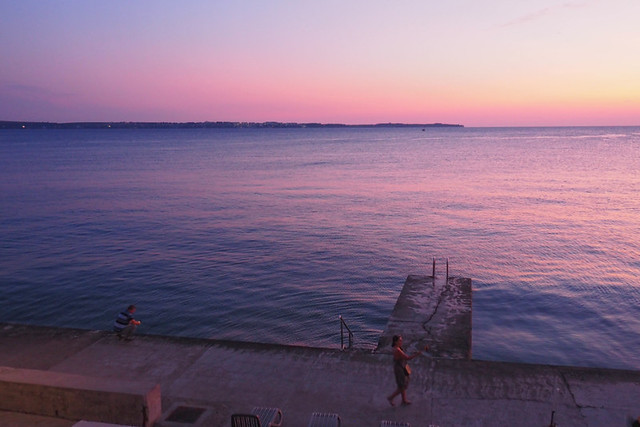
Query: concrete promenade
x=232 y=377
x=227 y=377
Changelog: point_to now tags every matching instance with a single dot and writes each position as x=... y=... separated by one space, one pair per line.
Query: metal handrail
x=343 y=325
x=433 y=274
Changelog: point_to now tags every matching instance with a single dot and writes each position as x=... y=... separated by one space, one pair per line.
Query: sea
x=269 y=235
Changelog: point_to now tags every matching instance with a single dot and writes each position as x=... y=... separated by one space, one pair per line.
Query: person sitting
x=125 y=325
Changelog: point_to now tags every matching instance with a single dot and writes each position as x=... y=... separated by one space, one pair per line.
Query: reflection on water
x=269 y=235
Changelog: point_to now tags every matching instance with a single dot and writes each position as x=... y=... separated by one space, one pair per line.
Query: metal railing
x=344 y=326
x=433 y=273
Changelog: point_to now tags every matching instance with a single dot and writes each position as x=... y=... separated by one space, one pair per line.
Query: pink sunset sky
x=490 y=63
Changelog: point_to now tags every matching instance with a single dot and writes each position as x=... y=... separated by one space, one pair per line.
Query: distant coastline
x=200 y=125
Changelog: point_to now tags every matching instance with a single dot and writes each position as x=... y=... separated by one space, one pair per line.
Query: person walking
x=401 y=370
x=125 y=325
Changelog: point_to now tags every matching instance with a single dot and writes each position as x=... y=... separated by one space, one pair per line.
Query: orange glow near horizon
x=502 y=65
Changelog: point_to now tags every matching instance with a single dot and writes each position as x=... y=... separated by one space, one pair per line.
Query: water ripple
x=270 y=235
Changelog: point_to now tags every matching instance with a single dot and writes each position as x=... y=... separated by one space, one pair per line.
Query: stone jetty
x=434 y=312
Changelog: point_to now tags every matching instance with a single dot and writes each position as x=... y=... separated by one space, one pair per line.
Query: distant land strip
x=199 y=125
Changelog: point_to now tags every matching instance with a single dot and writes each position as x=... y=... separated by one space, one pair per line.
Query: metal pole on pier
x=447 y=280
x=434 y=268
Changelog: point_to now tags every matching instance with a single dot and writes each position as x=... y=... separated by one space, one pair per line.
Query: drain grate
x=185 y=414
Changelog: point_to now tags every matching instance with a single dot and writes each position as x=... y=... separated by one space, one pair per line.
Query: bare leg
x=393 y=395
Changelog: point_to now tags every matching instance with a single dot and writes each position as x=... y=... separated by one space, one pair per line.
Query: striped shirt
x=122 y=321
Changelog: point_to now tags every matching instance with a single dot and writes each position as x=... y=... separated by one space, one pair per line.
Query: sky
x=476 y=63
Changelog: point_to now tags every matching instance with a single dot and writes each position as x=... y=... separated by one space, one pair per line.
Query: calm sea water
x=270 y=235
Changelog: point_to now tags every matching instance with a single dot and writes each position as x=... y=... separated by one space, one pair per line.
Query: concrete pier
x=218 y=378
x=433 y=311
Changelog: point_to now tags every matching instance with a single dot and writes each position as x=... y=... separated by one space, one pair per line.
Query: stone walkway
x=230 y=377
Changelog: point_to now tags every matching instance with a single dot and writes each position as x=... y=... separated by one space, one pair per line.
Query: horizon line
x=5 y=124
